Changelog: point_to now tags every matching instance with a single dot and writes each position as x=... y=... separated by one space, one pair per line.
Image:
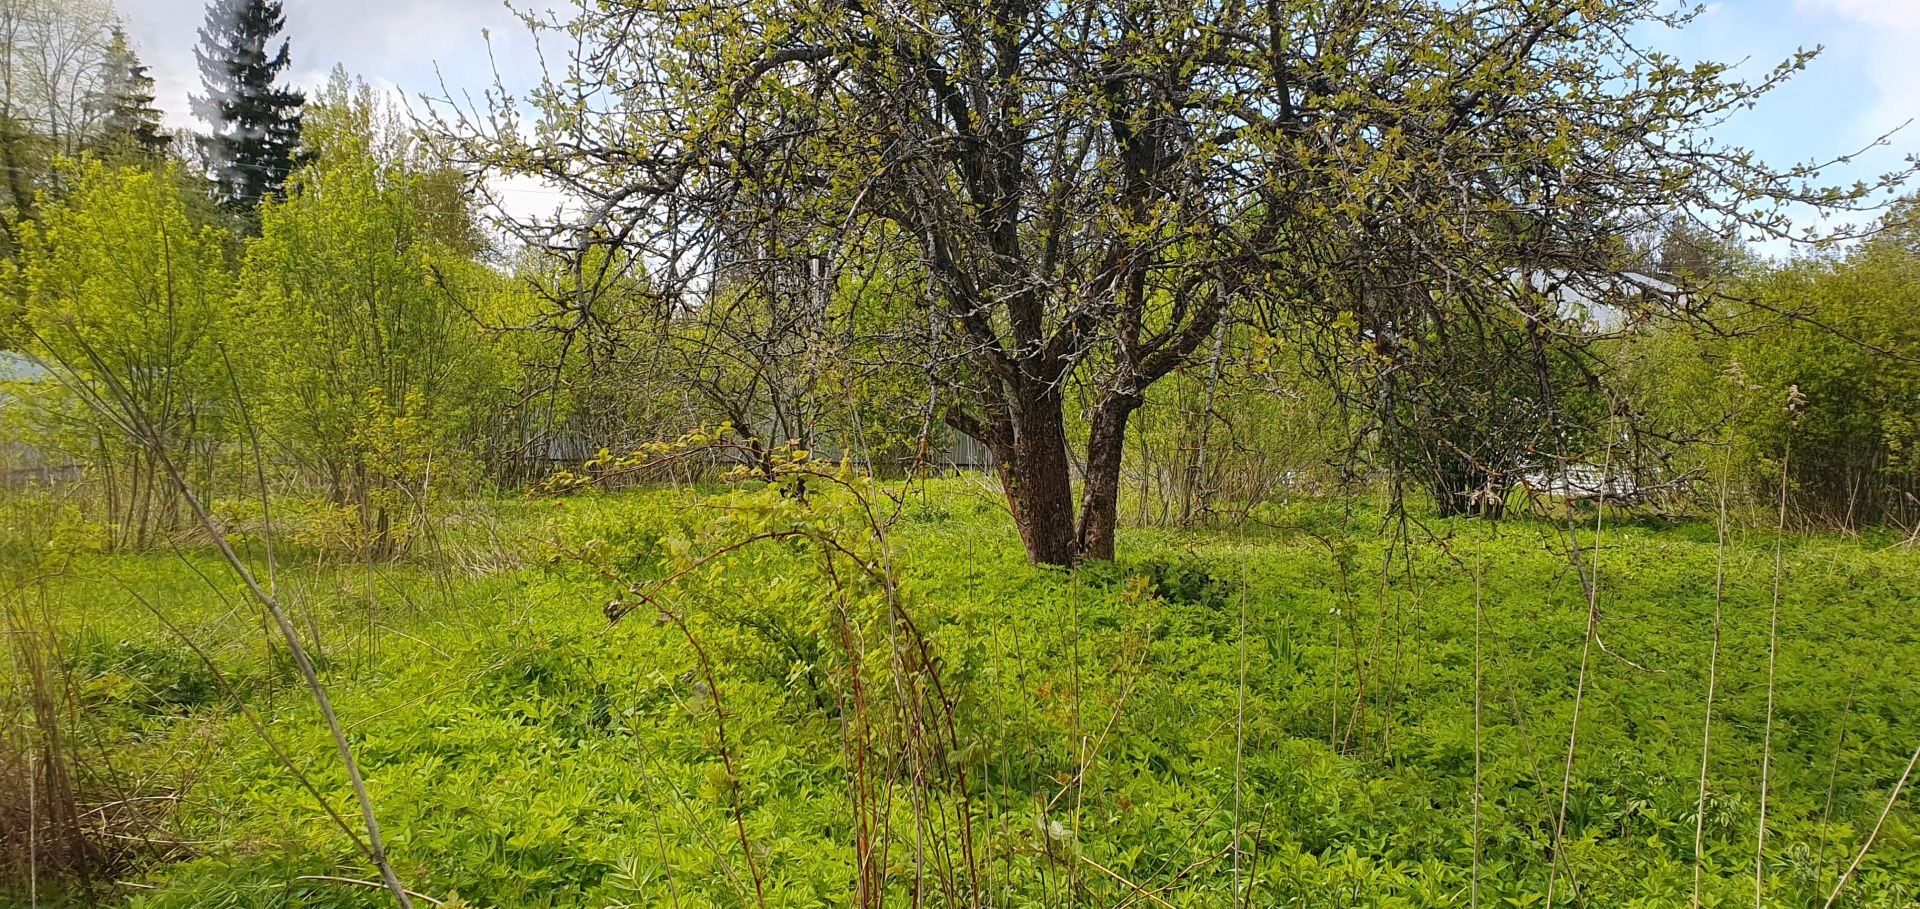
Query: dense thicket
x=1839 y=332
x=130 y=299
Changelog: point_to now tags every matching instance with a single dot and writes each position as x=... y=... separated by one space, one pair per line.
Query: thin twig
x=1713 y=677
x=1882 y=822
x=1143 y=892
x=374 y=884
x=1773 y=657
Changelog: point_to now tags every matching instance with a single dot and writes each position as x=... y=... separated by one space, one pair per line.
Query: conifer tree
x=129 y=124
x=255 y=121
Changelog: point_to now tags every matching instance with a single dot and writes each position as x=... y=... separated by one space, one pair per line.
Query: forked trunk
x=1029 y=445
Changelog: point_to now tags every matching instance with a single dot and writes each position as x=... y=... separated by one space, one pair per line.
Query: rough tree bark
x=1100 y=497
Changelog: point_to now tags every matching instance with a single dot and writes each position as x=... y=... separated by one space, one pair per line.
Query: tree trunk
x=1027 y=435
x=1100 y=499
x=1025 y=426
x=383 y=545
x=1039 y=480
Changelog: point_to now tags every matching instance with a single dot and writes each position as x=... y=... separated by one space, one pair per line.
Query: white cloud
x=1888 y=58
x=531 y=199
x=1898 y=14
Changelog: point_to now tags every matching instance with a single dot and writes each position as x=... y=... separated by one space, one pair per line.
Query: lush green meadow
x=1104 y=734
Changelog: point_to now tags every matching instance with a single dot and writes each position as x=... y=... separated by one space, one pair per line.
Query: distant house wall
x=964 y=452
x=1597 y=301
x=23 y=464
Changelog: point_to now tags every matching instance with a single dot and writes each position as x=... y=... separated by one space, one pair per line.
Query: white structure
x=1595 y=301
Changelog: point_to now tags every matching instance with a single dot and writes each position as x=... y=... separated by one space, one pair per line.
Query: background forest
x=1148 y=454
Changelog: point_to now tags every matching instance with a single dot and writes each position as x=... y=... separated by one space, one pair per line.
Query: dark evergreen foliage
x=129 y=122
x=255 y=122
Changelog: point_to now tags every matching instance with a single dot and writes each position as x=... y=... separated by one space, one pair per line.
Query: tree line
x=1158 y=262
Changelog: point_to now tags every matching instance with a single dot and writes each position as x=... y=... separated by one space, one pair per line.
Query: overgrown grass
x=522 y=751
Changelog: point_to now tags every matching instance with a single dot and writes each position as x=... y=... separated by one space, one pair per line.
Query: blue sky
x=1866 y=82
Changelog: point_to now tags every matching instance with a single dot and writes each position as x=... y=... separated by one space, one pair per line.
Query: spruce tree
x=255 y=122
x=128 y=123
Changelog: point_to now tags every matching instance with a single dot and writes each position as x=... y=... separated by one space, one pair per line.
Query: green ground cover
x=1299 y=689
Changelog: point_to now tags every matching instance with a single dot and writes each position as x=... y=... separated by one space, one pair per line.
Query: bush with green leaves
x=369 y=370
x=1841 y=332
x=126 y=297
